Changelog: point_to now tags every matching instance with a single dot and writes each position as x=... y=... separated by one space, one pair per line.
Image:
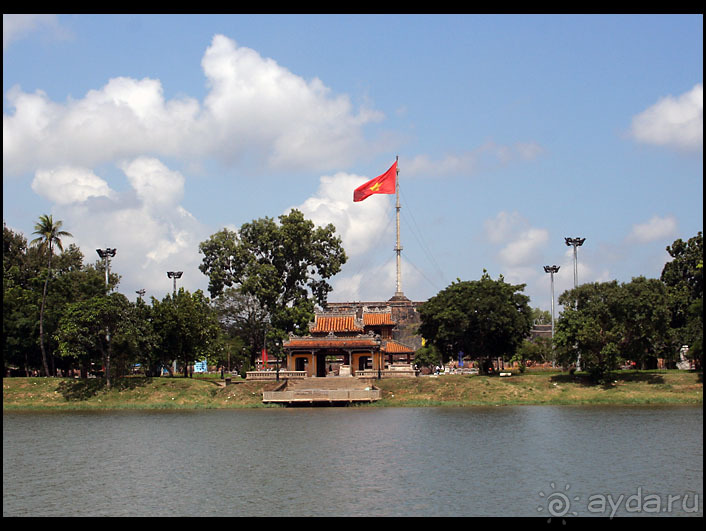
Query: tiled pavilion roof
x=332 y=342
x=377 y=319
x=335 y=323
x=394 y=347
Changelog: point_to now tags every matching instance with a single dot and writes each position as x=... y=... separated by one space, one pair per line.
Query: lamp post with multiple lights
x=551 y=270
x=175 y=275
x=106 y=254
x=575 y=242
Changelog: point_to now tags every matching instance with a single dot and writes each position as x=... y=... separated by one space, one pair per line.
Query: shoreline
x=629 y=388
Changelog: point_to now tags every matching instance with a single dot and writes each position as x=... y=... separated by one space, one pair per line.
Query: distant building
x=541 y=330
x=350 y=337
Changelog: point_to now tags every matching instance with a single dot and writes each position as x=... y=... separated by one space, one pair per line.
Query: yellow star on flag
x=382 y=184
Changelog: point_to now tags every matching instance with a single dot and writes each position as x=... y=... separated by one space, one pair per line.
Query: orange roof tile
x=371 y=319
x=393 y=347
x=326 y=323
x=325 y=342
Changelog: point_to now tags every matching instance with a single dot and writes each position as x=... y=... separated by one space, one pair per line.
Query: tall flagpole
x=398 y=247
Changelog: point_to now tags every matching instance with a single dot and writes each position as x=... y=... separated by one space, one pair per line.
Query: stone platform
x=323 y=391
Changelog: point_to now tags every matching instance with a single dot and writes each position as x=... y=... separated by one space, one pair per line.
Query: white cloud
x=255 y=108
x=17 y=26
x=156 y=186
x=362 y=226
x=522 y=254
x=522 y=243
x=298 y=122
x=502 y=226
x=67 y=185
x=655 y=229
x=525 y=248
x=673 y=122
x=470 y=162
x=124 y=119
x=367 y=231
x=152 y=232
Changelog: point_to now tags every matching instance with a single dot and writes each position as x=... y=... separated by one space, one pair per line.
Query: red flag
x=264 y=358
x=382 y=184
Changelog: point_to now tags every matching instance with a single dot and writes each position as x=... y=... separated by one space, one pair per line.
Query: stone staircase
x=328 y=383
x=326 y=391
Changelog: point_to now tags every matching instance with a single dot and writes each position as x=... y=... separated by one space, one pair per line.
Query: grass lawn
x=546 y=388
x=530 y=388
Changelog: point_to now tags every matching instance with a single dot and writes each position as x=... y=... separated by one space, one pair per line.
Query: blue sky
x=150 y=133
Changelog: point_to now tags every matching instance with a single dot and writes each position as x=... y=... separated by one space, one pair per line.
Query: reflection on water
x=514 y=461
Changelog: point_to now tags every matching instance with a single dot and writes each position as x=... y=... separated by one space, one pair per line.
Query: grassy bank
x=546 y=388
x=531 y=388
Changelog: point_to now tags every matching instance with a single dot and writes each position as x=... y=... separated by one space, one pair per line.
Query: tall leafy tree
x=609 y=323
x=242 y=317
x=186 y=328
x=537 y=350
x=49 y=235
x=285 y=266
x=484 y=319
x=644 y=322
x=142 y=345
x=683 y=276
x=20 y=303
x=587 y=325
x=82 y=332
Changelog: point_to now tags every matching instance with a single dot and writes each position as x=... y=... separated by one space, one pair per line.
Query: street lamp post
x=551 y=270
x=575 y=242
x=106 y=254
x=175 y=275
x=141 y=292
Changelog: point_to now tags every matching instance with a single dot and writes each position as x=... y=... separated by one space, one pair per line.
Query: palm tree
x=49 y=234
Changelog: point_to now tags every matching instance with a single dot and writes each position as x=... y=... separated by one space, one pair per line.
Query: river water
x=551 y=462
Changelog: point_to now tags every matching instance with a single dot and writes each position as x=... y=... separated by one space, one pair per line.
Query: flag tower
x=387 y=183
x=398 y=247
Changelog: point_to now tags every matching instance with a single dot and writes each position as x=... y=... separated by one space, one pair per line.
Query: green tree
x=427 y=356
x=541 y=316
x=24 y=275
x=241 y=317
x=186 y=328
x=20 y=305
x=537 y=350
x=485 y=319
x=587 y=326
x=90 y=329
x=608 y=323
x=284 y=266
x=49 y=236
x=644 y=322
x=683 y=276
x=137 y=341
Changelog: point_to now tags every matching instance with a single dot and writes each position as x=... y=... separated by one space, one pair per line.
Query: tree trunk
x=105 y=356
x=107 y=359
x=41 y=318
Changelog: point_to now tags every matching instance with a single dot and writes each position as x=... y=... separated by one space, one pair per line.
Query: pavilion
x=356 y=341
